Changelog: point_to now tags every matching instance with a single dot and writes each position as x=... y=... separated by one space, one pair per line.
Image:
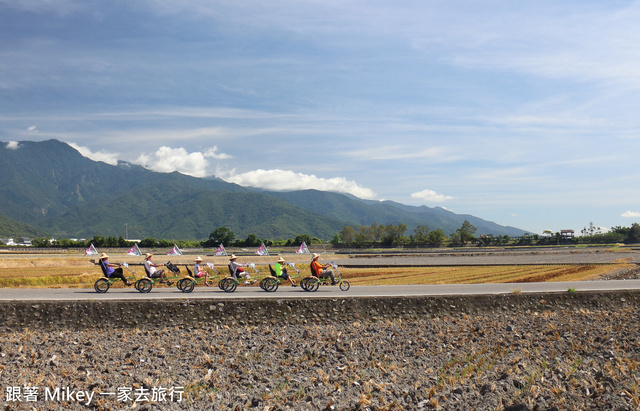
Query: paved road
x=64 y=294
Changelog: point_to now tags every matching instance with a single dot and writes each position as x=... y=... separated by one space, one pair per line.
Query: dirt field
x=74 y=270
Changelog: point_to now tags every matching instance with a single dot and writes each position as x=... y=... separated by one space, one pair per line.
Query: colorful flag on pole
x=175 y=251
x=134 y=250
x=91 y=250
x=221 y=250
x=262 y=250
x=303 y=249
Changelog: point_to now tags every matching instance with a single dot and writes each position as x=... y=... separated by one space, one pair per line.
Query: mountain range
x=49 y=189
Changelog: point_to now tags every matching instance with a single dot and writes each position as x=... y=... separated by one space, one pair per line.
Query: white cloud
x=430 y=196
x=13 y=145
x=213 y=153
x=631 y=214
x=433 y=154
x=167 y=160
x=285 y=180
x=33 y=128
x=109 y=158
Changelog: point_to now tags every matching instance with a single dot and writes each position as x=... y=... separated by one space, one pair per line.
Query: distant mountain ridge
x=49 y=188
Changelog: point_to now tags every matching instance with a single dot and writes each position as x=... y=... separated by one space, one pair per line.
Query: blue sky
x=522 y=113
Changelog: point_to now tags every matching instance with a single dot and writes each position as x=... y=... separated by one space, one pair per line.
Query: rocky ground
x=548 y=360
x=531 y=359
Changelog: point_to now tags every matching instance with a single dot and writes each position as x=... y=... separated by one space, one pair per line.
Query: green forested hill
x=358 y=212
x=11 y=229
x=49 y=185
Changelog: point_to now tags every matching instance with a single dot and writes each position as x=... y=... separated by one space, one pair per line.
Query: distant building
x=21 y=241
x=567 y=234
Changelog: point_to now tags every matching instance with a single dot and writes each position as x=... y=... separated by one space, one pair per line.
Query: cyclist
x=152 y=269
x=236 y=270
x=281 y=271
x=322 y=270
x=200 y=271
x=111 y=271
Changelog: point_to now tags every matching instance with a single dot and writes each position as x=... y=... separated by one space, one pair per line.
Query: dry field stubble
x=479 y=274
x=76 y=271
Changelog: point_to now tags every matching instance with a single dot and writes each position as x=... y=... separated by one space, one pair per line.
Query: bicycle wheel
x=313 y=284
x=222 y=282
x=344 y=285
x=310 y=284
x=271 y=285
x=144 y=285
x=263 y=282
x=304 y=282
x=229 y=285
x=101 y=285
x=187 y=285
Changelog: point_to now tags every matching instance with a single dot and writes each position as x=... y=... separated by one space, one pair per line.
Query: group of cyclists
x=236 y=270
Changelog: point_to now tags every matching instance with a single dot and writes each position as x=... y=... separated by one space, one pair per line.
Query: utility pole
x=126 y=232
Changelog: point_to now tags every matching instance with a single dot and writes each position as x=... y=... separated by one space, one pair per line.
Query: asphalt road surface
x=70 y=294
x=435 y=258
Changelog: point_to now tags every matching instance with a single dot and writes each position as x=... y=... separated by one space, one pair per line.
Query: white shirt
x=149 y=267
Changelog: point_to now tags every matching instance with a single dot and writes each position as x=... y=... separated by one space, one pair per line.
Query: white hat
x=315 y=256
x=233 y=257
x=199 y=258
x=103 y=256
x=148 y=256
x=281 y=260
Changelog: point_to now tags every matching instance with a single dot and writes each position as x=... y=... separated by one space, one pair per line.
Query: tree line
x=394 y=235
x=221 y=235
x=374 y=235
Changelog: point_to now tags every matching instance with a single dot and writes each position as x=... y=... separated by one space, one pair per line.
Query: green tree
x=393 y=234
x=421 y=235
x=98 y=241
x=221 y=235
x=304 y=238
x=41 y=242
x=465 y=232
x=360 y=240
x=348 y=235
x=436 y=237
x=634 y=233
x=149 y=242
x=252 y=240
x=377 y=232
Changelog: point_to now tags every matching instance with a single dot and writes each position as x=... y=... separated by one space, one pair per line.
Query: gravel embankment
x=577 y=351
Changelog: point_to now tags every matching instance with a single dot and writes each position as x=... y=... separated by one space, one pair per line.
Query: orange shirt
x=316 y=267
